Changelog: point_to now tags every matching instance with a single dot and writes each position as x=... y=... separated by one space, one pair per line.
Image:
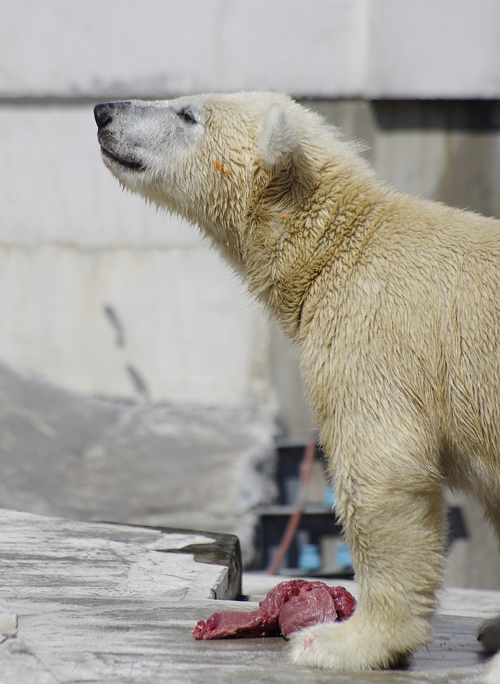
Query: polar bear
x=394 y=304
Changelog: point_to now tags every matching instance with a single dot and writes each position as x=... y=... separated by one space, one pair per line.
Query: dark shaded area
x=424 y=115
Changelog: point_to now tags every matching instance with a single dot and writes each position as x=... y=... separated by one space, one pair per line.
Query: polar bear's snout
x=144 y=143
x=115 y=148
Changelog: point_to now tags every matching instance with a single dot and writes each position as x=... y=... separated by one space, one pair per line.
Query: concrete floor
x=116 y=604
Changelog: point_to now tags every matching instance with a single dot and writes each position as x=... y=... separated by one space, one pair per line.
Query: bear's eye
x=187 y=114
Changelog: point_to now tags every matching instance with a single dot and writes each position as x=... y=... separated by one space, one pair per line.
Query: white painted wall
x=73 y=244
x=329 y=48
x=434 y=49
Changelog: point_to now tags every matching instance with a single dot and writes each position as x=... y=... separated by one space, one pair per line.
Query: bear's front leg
x=395 y=530
x=364 y=642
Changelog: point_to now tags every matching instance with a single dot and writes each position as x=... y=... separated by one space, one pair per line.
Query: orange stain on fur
x=218 y=165
x=228 y=171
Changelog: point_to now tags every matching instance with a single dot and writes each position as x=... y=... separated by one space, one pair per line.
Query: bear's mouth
x=128 y=162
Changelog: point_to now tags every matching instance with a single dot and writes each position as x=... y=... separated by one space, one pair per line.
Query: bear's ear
x=279 y=137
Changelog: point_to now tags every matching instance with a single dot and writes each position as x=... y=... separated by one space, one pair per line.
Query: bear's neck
x=287 y=254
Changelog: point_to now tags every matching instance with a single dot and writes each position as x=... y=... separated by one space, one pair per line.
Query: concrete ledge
x=219 y=549
x=46 y=558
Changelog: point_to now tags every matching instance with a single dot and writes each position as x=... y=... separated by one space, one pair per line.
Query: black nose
x=103 y=114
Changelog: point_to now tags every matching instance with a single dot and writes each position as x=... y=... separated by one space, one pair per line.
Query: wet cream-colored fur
x=394 y=303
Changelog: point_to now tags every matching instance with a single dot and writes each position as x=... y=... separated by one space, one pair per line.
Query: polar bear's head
x=217 y=159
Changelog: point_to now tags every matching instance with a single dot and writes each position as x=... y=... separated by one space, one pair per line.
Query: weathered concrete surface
x=8 y=623
x=100 y=561
x=150 y=641
x=116 y=605
x=67 y=455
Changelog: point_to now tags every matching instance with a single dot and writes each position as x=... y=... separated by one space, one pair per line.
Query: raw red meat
x=308 y=608
x=288 y=607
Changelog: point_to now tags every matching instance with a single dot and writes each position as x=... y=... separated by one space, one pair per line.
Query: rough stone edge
x=224 y=550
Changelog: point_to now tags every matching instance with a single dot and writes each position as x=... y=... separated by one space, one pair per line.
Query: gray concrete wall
x=191 y=467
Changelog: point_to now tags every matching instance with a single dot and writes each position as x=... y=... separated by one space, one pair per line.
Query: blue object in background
x=329 y=498
x=309 y=557
x=344 y=558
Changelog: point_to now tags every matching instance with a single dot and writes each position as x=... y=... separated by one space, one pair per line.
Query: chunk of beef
x=230 y=623
x=288 y=607
x=308 y=608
